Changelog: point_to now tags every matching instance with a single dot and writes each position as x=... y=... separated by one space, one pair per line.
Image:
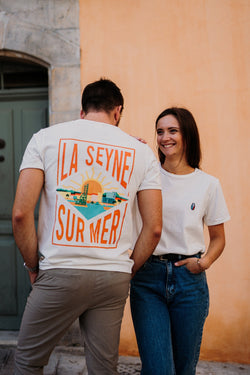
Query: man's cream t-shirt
x=93 y=172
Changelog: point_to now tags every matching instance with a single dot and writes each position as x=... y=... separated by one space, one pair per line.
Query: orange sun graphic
x=94 y=187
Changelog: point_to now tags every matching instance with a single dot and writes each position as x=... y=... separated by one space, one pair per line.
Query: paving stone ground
x=71 y=361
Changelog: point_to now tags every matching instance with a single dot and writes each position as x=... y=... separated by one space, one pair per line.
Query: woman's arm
x=215 y=248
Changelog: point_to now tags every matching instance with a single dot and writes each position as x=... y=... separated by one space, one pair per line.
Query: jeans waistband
x=174 y=257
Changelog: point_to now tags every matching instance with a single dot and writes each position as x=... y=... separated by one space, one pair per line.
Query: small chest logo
x=192 y=206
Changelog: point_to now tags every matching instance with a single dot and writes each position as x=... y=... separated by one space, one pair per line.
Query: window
x=19 y=74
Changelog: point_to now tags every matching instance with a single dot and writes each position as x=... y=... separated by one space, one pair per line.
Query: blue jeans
x=169 y=306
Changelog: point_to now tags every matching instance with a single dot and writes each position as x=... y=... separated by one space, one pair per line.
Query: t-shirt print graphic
x=92 y=193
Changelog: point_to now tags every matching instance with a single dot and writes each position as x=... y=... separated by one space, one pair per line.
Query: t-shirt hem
x=87 y=268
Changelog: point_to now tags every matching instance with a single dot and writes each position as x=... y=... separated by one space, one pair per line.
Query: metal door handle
x=2 y=143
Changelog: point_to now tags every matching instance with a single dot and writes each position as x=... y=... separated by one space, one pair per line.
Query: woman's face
x=169 y=137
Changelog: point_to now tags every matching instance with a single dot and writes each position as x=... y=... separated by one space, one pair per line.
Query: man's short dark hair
x=102 y=95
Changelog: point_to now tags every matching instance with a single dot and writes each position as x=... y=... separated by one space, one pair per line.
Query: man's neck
x=101 y=116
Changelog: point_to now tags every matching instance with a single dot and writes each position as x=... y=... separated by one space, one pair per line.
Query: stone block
x=66 y=89
x=64 y=13
x=3 y=22
x=58 y=117
x=46 y=13
x=40 y=42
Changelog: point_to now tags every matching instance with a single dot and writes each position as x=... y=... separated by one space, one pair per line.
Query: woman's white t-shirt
x=189 y=201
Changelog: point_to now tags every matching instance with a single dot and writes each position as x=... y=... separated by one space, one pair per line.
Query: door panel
x=7 y=187
x=8 y=304
x=20 y=117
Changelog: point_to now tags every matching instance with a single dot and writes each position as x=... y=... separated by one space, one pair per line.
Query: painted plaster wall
x=195 y=54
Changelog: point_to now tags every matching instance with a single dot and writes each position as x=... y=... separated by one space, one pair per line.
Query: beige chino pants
x=58 y=298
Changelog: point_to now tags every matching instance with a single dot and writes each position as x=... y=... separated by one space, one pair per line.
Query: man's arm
x=150 y=207
x=29 y=186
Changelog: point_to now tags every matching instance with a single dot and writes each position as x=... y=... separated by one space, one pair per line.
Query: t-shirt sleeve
x=217 y=212
x=32 y=157
x=152 y=178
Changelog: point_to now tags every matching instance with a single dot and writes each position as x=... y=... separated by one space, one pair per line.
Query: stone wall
x=47 y=31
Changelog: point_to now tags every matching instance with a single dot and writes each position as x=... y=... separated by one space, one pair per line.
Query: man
x=91 y=176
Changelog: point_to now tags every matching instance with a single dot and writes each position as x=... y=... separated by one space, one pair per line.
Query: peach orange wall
x=192 y=53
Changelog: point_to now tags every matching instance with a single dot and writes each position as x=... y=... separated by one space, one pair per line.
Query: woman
x=169 y=294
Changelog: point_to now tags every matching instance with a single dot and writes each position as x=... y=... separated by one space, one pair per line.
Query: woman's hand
x=215 y=248
x=194 y=265
x=140 y=139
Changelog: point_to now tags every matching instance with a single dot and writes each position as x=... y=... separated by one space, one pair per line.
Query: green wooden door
x=21 y=115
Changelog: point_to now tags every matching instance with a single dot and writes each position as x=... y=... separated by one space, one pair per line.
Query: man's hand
x=33 y=276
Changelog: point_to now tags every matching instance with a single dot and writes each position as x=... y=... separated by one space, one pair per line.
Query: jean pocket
x=197 y=275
